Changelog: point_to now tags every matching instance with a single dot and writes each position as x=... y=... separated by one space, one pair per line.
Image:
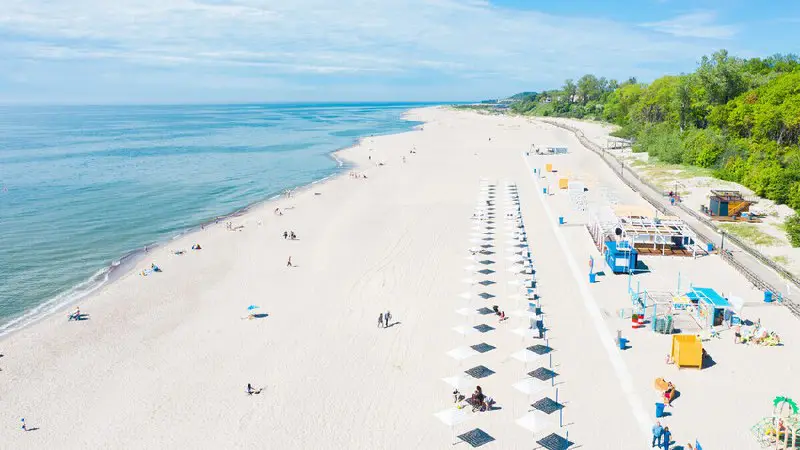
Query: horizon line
x=280 y=103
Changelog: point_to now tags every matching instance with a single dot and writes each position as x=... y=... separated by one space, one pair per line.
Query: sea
x=83 y=189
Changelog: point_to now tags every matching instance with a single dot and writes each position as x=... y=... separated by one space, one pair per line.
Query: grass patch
x=749 y=233
x=664 y=175
x=781 y=259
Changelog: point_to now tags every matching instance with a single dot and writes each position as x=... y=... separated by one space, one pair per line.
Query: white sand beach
x=163 y=360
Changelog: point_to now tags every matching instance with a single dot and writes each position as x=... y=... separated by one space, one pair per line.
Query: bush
x=662 y=142
x=792 y=225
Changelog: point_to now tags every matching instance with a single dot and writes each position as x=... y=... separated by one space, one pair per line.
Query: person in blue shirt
x=658 y=431
x=667 y=437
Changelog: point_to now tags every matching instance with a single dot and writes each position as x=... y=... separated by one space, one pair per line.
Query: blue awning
x=708 y=295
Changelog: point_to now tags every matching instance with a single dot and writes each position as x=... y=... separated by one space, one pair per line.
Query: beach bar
x=712 y=308
x=647 y=234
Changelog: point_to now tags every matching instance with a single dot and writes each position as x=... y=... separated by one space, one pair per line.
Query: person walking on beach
x=289 y=263
x=24 y=427
x=380 y=320
x=387 y=318
x=667 y=437
x=658 y=432
x=285 y=234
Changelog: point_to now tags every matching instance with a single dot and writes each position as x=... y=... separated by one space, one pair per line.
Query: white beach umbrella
x=522 y=331
x=468 y=281
x=531 y=386
x=464 y=329
x=535 y=422
x=461 y=353
x=470 y=268
x=454 y=416
x=521 y=313
x=465 y=295
x=525 y=356
x=462 y=381
x=467 y=311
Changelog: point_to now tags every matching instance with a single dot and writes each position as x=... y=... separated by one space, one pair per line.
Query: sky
x=225 y=51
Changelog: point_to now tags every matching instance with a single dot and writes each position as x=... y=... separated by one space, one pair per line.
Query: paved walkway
x=760 y=275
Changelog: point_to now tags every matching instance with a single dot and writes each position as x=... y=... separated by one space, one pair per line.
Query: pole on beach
x=560 y=413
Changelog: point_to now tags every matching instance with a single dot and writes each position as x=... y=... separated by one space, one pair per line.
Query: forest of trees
x=739 y=117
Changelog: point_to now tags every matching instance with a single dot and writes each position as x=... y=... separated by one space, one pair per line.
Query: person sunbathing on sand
x=76 y=315
x=251 y=391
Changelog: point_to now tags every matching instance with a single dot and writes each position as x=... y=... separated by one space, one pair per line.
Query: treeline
x=739 y=117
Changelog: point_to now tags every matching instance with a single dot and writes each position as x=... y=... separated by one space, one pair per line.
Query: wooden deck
x=648 y=250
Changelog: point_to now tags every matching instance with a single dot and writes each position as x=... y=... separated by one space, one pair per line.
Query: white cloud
x=700 y=24
x=461 y=40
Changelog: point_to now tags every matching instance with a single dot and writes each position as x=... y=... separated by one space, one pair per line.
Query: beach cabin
x=620 y=257
x=712 y=309
x=727 y=205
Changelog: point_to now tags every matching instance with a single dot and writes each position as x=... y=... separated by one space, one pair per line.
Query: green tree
x=588 y=88
x=792 y=225
x=722 y=77
x=569 y=90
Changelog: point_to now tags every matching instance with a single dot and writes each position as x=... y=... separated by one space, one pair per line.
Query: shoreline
x=125 y=264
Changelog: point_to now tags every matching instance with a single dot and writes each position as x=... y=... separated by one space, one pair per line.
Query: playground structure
x=657 y=307
x=687 y=350
x=729 y=206
x=647 y=235
x=667 y=311
x=780 y=430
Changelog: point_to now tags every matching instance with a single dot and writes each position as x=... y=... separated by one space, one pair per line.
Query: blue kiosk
x=620 y=256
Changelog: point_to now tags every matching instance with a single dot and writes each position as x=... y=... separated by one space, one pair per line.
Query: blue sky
x=195 y=51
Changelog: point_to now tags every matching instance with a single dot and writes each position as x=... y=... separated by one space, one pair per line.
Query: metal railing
x=726 y=255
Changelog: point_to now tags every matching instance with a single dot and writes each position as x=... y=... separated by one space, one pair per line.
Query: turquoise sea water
x=82 y=187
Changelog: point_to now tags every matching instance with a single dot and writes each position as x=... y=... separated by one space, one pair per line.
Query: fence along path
x=762 y=272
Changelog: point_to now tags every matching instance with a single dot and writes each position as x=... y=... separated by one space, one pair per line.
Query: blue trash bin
x=592 y=277
x=544 y=190
x=767 y=296
x=659 y=410
x=561 y=220
x=710 y=247
x=622 y=343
